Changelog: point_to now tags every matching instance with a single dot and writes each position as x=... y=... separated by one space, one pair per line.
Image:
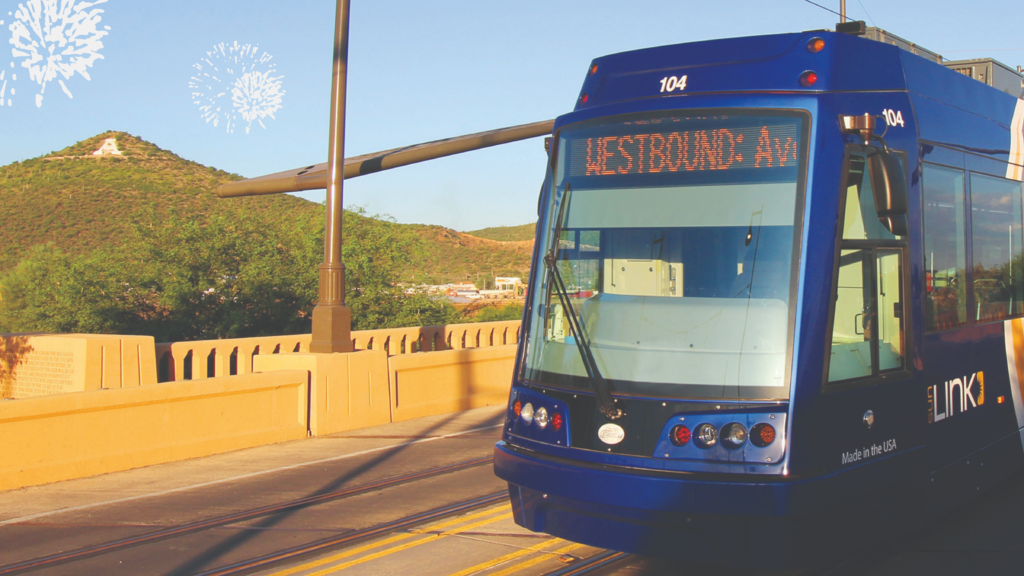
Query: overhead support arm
x=315 y=177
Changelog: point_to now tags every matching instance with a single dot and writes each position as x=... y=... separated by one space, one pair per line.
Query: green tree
x=232 y=276
x=375 y=257
x=226 y=277
x=49 y=291
x=495 y=314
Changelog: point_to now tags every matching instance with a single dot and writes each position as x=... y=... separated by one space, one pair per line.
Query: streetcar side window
x=996 y=265
x=945 y=248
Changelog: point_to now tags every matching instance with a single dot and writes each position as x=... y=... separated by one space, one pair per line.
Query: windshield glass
x=675 y=243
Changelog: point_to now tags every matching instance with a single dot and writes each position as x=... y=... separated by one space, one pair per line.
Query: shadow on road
x=206 y=559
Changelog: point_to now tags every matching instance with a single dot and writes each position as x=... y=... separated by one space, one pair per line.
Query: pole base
x=332 y=329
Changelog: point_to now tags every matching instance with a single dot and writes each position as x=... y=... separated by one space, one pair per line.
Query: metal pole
x=842 y=10
x=315 y=177
x=332 y=320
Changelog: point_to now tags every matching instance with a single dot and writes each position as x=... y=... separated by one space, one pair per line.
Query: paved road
x=39 y=521
x=346 y=484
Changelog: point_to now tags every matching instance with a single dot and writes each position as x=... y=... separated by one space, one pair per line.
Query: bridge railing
x=397 y=341
x=223 y=395
x=200 y=359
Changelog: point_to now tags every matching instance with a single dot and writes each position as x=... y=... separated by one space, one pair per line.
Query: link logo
x=955 y=396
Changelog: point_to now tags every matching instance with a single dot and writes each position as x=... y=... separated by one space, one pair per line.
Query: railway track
x=207 y=524
x=337 y=552
x=605 y=562
x=593 y=564
x=355 y=536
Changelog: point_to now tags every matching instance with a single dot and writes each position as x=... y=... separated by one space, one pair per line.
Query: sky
x=418 y=71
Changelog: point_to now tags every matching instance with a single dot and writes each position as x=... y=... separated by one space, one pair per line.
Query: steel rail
x=355 y=536
x=595 y=562
x=607 y=558
x=165 y=533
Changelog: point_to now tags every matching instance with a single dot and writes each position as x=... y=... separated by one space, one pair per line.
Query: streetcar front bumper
x=698 y=517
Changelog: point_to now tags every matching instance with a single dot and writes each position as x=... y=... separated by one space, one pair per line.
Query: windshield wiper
x=601 y=387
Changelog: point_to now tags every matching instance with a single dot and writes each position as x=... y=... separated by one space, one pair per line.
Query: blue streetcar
x=776 y=299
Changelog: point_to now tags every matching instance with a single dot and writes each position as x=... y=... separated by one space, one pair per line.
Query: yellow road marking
x=386 y=541
x=407 y=545
x=534 y=561
x=502 y=559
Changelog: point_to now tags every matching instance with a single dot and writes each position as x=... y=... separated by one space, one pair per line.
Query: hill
x=519 y=233
x=80 y=202
x=444 y=255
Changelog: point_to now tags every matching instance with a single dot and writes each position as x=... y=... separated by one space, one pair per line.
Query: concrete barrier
x=366 y=388
x=450 y=381
x=63 y=436
x=41 y=364
x=231 y=394
x=347 y=391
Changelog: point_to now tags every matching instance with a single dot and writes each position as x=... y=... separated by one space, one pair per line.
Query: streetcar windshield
x=675 y=242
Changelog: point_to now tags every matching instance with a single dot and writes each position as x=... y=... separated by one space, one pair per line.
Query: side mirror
x=889 y=185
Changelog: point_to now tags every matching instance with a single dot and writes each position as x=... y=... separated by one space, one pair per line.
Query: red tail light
x=808 y=78
x=762 y=435
x=557 y=421
x=679 y=435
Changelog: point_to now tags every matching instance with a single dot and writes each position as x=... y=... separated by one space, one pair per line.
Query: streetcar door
x=868 y=327
x=867 y=356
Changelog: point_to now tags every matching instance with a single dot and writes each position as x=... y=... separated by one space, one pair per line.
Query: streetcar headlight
x=541 y=417
x=707 y=435
x=734 y=435
x=762 y=435
x=527 y=413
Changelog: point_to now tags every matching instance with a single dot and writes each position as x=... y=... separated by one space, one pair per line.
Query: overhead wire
x=824 y=8
x=866 y=12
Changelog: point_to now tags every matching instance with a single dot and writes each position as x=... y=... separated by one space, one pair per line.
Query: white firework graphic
x=233 y=81
x=55 y=38
x=4 y=100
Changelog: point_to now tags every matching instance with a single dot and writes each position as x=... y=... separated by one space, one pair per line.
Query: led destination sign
x=749 y=147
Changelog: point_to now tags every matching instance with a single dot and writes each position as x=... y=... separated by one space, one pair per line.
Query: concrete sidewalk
x=49 y=501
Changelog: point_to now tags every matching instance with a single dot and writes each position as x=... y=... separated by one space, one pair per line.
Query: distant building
x=507 y=284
